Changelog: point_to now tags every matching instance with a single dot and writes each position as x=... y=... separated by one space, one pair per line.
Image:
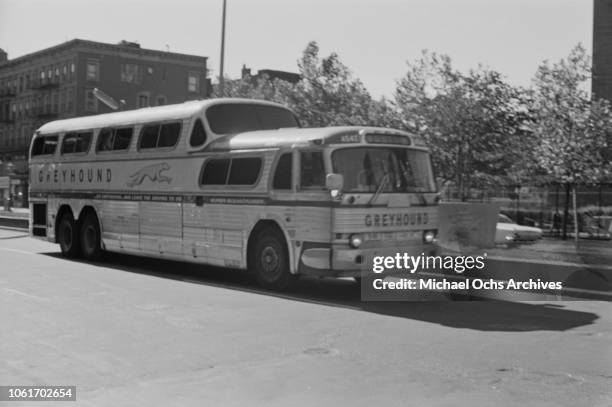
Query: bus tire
x=270 y=260
x=91 y=246
x=68 y=236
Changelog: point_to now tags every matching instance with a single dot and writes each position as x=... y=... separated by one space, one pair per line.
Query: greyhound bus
x=234 y=183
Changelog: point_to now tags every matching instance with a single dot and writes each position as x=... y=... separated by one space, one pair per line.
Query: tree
x=572 y=130
x=473 y=123
x=275 y=90
x=327 y=94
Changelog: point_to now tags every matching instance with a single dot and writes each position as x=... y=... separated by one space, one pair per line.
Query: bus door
x=313 y=204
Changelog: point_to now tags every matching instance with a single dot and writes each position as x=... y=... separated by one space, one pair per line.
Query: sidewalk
x=15 y=213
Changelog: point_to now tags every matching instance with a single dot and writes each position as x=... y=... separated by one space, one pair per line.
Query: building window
x=93 y=70
x=69 y=100
x=142 y=100
x=91 y=103
x=55 y=102
x=193 y=82
x=161 y=100
x=131 y=73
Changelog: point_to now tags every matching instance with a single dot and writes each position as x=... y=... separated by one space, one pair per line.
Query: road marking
x=14 y=237
x=14 y=291
x=16 y=250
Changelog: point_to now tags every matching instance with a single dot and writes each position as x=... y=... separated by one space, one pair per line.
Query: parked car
x=508 y=231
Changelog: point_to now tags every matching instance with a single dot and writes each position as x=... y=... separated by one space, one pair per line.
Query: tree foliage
x=326 y=95
x=474 y=123
x=572 y=130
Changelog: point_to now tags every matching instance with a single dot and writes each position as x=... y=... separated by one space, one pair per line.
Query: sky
x=374 y=38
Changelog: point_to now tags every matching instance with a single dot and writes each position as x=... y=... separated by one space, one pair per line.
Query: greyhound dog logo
x=153 y=172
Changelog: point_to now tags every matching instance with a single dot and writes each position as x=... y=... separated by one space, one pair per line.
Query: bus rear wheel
x=90 y=237
x=270 y=261
x=68 y=236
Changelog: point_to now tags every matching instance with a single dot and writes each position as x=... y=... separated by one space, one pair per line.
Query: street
x=134 y=331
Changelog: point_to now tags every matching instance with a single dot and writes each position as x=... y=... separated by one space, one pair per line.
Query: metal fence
x=545 y=207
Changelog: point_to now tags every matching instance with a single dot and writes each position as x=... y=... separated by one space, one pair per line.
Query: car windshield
x=504 y=219
x=384 y=169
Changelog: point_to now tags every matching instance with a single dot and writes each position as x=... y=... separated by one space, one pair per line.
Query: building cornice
x=79 y=45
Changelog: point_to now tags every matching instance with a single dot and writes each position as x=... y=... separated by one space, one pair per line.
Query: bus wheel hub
x=270 y=259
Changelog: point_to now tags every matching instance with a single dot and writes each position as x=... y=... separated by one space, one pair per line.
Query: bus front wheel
x=68 y=236
x=271 y=261
x=90 y=237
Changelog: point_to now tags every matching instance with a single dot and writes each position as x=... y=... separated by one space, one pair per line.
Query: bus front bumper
x=347 y=262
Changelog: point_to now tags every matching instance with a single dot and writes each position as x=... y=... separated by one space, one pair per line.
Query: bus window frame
x=57 y=147
x=80 y=153
x=274 y=166
x=191 y=126
x=160 y=124
x=298 y=186
x=226 y=186
x=122 y=151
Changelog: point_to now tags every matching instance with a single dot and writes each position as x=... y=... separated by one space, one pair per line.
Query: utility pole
x=221 y=80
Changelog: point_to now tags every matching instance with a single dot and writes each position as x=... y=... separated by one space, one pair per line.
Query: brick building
x=58 y=82
x=602 y=49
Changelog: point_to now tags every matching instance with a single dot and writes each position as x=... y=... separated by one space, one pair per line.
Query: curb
x=20 y=223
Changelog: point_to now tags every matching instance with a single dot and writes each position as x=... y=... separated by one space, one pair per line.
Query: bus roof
x=143 y=115
x=295 y=137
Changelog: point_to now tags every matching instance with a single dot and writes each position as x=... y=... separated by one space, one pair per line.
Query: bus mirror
x=334 y=182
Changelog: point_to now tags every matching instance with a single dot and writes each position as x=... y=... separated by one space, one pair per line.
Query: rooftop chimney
x=130 y=44
x=246 y=72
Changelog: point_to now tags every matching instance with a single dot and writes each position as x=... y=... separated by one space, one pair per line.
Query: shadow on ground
x=477 y=315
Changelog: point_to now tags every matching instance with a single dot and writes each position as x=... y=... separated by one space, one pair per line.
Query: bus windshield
x=392 y=169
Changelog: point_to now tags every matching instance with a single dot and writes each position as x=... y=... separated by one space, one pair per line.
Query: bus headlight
x=429 y=236
x=355 y=240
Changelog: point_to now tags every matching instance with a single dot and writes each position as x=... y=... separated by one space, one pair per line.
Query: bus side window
x=44 y=145
x=215 y=171
x=69 y=143
x=169 y=134
x=312 y=175
x=148 y=136
x=282 y=176
x=244 y=171
x=123 y=137
x=198 y=134
x=105 y=140
x=83 y=142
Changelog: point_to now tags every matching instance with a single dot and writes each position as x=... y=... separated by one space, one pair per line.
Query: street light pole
x=221 y=80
